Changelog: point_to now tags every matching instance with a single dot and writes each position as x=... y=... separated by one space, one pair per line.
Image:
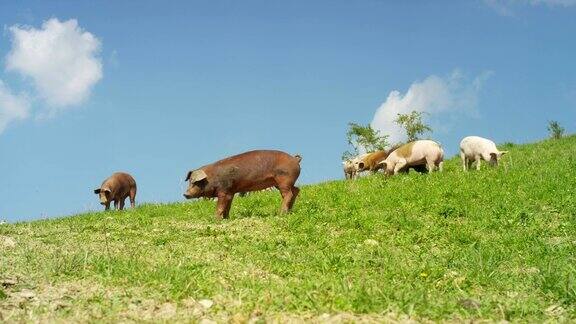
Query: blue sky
x=164 y=87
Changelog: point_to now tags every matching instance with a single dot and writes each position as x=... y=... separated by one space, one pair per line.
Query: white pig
x=349 y=170
x=475 y=149
x=413 y=154
x=350 y=166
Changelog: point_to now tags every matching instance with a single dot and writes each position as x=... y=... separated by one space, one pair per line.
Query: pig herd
x=422 y=156
x=262 y=169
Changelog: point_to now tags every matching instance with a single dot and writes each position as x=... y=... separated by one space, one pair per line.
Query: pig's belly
x=256 y=184
x=417 y=161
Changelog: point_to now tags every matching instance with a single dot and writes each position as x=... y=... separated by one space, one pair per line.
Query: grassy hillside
x=499 y=244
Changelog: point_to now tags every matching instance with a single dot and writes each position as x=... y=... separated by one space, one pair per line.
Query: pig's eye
x=202 y=183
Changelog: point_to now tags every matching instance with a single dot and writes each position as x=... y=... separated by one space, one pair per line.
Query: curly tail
x=298 y=157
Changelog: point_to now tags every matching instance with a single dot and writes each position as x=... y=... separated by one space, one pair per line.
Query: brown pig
x=249 y=171
x=370 y=161
x=116 y=188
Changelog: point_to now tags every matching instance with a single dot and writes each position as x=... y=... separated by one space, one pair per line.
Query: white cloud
x=560 y=3
x=61 y=59
x=113 y=59
x=500 y=7
x=437 y=96
x=12 y=107
x=504 y=7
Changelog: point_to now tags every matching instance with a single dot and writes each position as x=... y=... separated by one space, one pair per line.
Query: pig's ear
x=188 y=175
x=196 y=175
x=97 y=191
x=493 y=156
x=361 y=165
x=503 y=152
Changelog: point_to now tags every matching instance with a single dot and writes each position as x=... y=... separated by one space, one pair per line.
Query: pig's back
x=424 y=149
x=472 y=145
x=417 y=151
x=122 y=180
x=266 y=159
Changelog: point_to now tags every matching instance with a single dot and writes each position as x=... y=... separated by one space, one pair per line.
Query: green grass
x=424 y=247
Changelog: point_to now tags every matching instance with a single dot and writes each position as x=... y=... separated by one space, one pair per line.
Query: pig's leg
x=464 y=160
x=132 y=197
x=116 y=204
x=223 y=205
x=107 y=206
x=399 y=165
x=287 y=195
x=478 y=159
x=431 y=165
x=285 y=183
x=295 y=192
x=122 y=203
x=228 y=206
x=441 y=166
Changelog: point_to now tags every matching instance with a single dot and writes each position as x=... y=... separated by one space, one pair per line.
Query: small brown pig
x=249 y=171
x=116 y=188
x=370 y=161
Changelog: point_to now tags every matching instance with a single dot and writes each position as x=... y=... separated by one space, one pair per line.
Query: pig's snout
x=193 y=192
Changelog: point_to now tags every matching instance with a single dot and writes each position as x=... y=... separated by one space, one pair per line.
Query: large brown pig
x=116 y=188
x=250 y=171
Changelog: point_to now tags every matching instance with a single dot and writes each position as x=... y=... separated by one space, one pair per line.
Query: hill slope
x=495 y=244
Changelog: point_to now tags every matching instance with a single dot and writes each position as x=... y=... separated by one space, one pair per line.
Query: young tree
x=556 y=131
x=363 y=138
x=413 y=124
